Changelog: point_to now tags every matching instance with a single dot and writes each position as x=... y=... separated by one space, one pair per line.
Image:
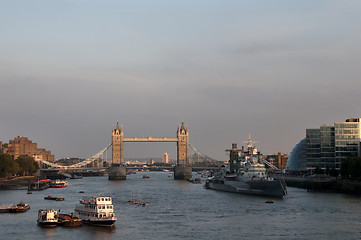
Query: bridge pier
x=117 y=173
x=182 y=172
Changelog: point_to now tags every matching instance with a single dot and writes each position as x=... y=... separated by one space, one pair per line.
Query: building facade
x=329 y=145
x=22 y=146
x=278 y=160
x=165 y=158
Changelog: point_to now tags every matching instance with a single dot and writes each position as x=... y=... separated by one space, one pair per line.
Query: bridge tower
x=183 y=170
x=117 y=171
x=117 y=143
x=182 y=146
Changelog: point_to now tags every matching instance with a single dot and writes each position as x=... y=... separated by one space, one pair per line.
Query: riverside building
x=22 y=146
x=326 y=147
x=165 y=158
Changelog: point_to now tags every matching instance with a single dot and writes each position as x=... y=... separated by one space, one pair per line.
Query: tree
x=27 y=164
x=7 y=165
x=351 y=167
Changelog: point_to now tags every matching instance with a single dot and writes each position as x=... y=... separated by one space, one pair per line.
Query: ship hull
x=261 y=188
x=101 y=223
x=47 y=224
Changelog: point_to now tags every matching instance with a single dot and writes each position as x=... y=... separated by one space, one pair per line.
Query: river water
x=182 y=210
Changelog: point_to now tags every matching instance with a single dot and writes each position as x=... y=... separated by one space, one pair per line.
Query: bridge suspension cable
x=270 y=165
x=200 y=153
x=80 y=164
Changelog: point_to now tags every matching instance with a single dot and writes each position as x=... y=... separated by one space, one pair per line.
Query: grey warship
x=246 y=174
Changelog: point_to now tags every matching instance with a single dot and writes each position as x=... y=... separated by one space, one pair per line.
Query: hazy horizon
x=70 y=69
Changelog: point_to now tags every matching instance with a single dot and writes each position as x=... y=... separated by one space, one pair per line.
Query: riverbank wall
x=19 y=183
x=322 y=183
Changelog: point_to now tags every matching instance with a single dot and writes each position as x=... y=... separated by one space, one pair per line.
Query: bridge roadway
x=150 y=139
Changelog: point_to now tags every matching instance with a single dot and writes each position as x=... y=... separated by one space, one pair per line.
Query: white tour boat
x=96 y=211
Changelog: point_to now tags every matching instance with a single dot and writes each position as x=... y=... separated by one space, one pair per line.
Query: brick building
x=22 y=146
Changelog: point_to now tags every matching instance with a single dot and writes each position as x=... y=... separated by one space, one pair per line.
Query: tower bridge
x=182 y=171
x=117 y=171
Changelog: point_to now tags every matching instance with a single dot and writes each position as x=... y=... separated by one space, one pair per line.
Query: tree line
x=23 y=165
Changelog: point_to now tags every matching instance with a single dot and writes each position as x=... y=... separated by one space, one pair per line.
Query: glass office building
x=347 y=140
x=327 y=141
x=329 y=145
x=313 y=148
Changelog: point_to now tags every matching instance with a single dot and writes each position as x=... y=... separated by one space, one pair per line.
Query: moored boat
x=58 y=183
x=96 y=211
x=19 y=208
x=54 y=198
x=47 y=218
x=246 y=174
x=39 y=185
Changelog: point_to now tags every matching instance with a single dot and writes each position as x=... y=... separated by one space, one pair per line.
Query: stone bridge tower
x=117 y=171
x=183 y=170
x=182 y=146
x=117 y=143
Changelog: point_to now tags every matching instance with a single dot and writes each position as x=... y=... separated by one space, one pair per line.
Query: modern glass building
x=313 y=148
x=327 y=151
x=347 y=140
x=297 y=158
x=329 y=145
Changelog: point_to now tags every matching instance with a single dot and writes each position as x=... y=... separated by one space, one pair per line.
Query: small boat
x=58 y=183
x=81 y=191
x=269 y=201
x=19 y=208
x=29 y=192
x=69 y=220
x=47 y=218
x=145 y=176
x=54 y=198
x=137 y=202
x=22 y=207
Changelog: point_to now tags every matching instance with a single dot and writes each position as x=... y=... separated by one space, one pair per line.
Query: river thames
x=182 y=210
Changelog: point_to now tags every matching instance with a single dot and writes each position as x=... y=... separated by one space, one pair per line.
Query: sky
x=70 y=69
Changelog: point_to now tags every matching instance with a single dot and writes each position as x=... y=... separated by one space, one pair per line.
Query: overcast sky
x=69 y=69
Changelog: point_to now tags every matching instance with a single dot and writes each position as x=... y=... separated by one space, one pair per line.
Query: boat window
x=102 y=199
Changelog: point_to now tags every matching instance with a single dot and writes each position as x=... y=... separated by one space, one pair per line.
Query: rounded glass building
x=297 y=158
